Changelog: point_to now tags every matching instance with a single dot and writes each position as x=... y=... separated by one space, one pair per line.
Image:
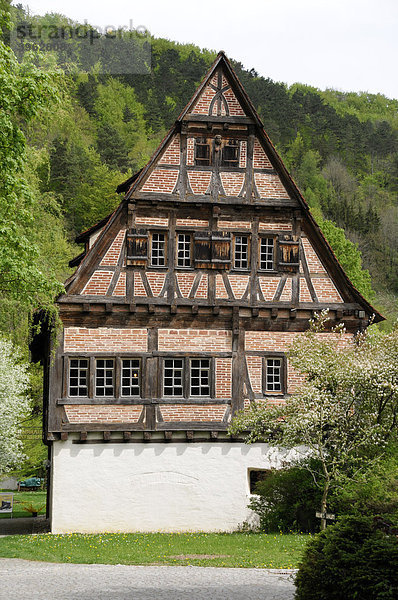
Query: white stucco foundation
x=154 y=487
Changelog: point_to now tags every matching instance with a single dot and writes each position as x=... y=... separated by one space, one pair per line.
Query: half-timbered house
x=180 y=312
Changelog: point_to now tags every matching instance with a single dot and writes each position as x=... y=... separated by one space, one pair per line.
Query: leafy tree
x=24 y=89
x=14 y=404
x=349 y=257
x=344 y=413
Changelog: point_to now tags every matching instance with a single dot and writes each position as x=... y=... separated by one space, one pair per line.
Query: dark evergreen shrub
x=352 y=559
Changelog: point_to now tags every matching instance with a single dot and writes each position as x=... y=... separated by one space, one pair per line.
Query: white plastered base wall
x=154 y=487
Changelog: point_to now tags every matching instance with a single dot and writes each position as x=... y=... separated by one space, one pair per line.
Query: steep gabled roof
x=133 y=183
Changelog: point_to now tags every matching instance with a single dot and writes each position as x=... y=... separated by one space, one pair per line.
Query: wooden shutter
x=202 y=249
x=137 y=247
x=212 y=250
x=288 y=253
x=221 y=250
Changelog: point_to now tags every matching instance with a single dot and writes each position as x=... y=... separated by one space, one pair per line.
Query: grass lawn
x=278 y=551
x=37 y=499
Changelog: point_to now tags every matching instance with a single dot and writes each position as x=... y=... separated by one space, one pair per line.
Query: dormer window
x=230 y=154
x=202 y=152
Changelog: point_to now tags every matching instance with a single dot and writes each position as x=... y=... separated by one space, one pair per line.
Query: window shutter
x=288 y=253
x=202 y=249
x=212 y=250
x=221 y=250
x=137 y=247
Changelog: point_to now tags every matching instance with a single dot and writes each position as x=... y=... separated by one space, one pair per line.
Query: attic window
x=230 y=154
x=202 y=151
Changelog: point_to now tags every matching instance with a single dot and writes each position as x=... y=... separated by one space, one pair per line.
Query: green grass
x=37 y=499
x=279 y=551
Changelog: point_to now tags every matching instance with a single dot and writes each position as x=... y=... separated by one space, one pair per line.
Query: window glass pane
x=202 y=151
x=230 y=154
x=241 y=260
x=104 y=377
x=130 y=377
x=172 y=377
x=184 y=250
x=267 y=254
x=200 y=377
x=78 y=377
x=273 y=375
x=158 y=256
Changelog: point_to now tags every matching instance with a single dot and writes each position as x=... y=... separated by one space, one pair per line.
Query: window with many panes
x=78 y=377
x=273 y=375
x=187 y=377
x=230 y=154
x=200 y=377
x=267 y=245
x=202 y=151
x=184 y=250
x=105 y=377
x=241 y=252
x=130 y=377
x=173 y=371
x=158 y=249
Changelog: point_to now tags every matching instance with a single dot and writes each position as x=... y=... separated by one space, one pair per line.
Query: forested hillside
x=342 y=150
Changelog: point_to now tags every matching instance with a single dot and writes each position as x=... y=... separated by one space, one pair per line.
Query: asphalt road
x=49 y=581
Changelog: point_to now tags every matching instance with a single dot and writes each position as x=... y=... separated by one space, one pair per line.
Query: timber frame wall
x=120 y=305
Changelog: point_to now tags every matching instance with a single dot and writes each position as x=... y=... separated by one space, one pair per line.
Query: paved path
x=41 y=581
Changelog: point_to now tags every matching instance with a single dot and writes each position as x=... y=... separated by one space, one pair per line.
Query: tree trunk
x=324 y=503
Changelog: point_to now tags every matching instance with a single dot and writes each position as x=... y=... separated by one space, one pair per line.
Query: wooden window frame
x=203 y=161
x=227 y=163
x=211 y=377
x=233 y=251
x=274 y=253
x=139 y=360
x=191 y=251
x=105 y=358
x=151 y=241
x=283 y=376
x=67 y=379
x=186 y=377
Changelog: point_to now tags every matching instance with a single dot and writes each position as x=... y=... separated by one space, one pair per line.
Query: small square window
x=184 y=250
x=78 y=377
x=267 y=253
x=202 y=151
x=200 y=377
x=256 y=476
x=130 y=377
x=241 y=253
x=274 y=375
x=230 y=154
x=104 y=377
x=173 y=372
x=158 y=250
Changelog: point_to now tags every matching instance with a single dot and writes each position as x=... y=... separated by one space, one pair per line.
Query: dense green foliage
x=353 y=560
x=286 y=500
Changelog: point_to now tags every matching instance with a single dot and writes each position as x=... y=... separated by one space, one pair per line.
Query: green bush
x=287 y=500
x=352 y=560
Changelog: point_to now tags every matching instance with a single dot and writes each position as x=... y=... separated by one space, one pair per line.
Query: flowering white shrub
x=345 y=412
x=14 y=404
